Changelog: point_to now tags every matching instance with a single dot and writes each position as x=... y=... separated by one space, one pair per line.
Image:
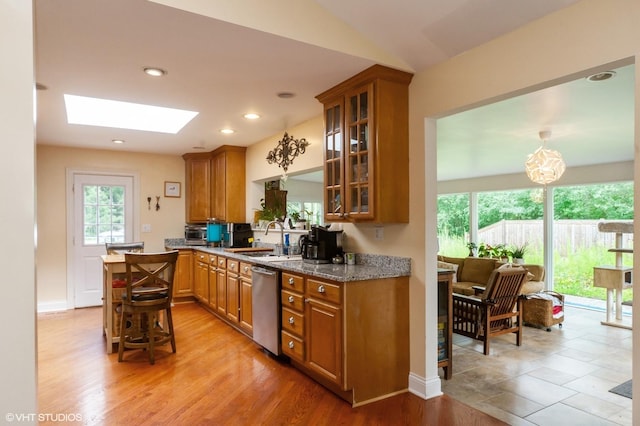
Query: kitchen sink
x=271 y=257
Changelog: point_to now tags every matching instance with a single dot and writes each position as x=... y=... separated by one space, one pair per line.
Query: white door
x=102 y=212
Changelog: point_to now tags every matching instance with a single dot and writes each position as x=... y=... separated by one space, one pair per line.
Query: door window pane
x=104 y=218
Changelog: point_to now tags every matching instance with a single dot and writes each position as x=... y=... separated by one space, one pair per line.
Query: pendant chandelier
x=287 y=149
x=544 y=165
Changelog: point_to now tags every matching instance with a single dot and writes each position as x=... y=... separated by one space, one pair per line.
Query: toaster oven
x=195 y=234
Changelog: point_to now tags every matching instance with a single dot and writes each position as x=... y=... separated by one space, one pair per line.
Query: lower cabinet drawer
x=293 y=322
x=292 y=300
x=292 y=346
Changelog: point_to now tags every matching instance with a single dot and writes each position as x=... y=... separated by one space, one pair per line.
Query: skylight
x=125 y=115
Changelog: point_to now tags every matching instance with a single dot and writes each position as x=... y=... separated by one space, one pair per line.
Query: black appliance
x=320 y=245
x=238 y=235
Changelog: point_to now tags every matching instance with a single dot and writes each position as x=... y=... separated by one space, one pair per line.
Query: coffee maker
x=320 y=245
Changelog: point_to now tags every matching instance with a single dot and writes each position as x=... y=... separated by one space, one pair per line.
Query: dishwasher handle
x=263 y=271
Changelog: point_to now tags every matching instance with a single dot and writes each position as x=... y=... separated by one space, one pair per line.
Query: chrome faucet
x=266 y=232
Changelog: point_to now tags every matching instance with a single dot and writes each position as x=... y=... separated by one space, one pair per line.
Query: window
x=103 y=218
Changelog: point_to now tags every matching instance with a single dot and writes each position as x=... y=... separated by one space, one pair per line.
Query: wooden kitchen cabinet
x=233 y=290
x=245 y=317
x=212 y=282
x=366 y=147
x=197 y=187
x=323 y=316
x=221 y=286
x=201 y=277
x=215 y=185
x=351 y=337
x=228 y=184
x=182 y=280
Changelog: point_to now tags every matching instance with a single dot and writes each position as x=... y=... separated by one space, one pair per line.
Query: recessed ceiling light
x=251 y=116
x=601 y=76
x=286 y=95
x=154 y=72
x=117 y=141
x=227 y=131
x=125 y=115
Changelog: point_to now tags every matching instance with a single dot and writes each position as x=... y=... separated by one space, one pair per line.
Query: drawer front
x=320 y=290
x=292 y=346
x=292 y=282
x=245 y=269
x=222 y=262
x=213 y=260
x=293 y=322
x=292 y=300
x=233 y=265
x=202 y=257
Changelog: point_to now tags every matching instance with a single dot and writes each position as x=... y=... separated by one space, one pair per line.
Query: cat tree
x=615 y=278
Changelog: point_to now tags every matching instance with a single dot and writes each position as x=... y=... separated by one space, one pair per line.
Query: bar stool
x=149 y=288
x=121 y=248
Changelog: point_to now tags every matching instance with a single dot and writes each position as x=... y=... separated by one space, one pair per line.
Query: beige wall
x=52 y=165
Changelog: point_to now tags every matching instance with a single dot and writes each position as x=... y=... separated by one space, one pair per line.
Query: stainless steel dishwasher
x=265 y=299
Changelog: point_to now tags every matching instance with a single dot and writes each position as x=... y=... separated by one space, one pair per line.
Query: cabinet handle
x=292 y=320
x=321 y=289
x=291 y=299
x=292 y=281
x=246 y=268
x=291 y=344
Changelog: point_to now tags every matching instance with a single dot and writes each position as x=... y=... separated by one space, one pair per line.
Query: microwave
x=195 y=234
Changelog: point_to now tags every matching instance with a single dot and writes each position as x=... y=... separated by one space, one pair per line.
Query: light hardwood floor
x=217 y=377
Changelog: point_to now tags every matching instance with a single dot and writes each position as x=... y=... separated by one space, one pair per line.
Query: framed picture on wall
x=172 y=189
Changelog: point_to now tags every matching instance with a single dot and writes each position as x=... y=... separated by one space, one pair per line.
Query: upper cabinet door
x=198 y=189
x=333 y=167
x=366 y=155
x=359 y=172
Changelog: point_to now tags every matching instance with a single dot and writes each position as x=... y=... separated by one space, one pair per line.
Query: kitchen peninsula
x=345 y=326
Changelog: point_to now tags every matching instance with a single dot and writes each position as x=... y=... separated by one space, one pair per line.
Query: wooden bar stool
x=149 y=289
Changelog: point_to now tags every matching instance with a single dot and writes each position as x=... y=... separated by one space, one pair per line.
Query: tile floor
x=557 y=377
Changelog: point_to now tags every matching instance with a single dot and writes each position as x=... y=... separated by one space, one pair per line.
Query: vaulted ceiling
x=230 y=64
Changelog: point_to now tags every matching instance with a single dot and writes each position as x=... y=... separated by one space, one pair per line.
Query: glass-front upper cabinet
x=366 y=151
x=359 y=196
x=333 y=161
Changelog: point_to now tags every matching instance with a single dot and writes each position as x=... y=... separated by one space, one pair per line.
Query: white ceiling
x=223 y=70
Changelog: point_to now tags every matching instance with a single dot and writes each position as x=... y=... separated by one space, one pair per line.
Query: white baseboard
x=60 y=305
x=423 y=388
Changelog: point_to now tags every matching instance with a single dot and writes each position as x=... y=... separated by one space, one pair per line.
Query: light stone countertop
x=367 y=267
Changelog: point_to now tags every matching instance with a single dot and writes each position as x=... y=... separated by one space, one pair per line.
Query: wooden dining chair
x=497 y=311
x=121 y=248
x=149 y=288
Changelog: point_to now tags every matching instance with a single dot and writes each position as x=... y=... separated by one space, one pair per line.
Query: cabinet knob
x=292 y=320
x=246 y=268
x=321 y=289
x=291 y=344
x=292 y=281
x=291 y=299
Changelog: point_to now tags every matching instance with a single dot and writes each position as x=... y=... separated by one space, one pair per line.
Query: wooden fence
x=568 y=235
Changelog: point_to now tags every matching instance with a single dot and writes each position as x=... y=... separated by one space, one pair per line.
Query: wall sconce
x=286 y=151
x=544 y=165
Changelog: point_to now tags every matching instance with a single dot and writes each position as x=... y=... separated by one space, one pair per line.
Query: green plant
x=267 y=213
x=294 y=215
x=518 y=251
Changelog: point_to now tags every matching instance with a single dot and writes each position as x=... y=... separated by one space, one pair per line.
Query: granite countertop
x=367 y=267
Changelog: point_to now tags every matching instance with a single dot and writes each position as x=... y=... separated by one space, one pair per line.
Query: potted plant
x=517 y=253
x=473 y=249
